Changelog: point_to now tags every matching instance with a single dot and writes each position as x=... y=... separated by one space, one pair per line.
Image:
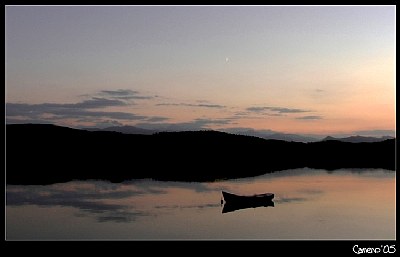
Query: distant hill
x=269 y=134
x=43 y=154
x=358 y=139
x=126 y=130
x=291 y=137
x=265 y=134
x=262 y=133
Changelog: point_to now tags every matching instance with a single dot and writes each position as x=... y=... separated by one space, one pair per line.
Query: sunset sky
x=293 y=69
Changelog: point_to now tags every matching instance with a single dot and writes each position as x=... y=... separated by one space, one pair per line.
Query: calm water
x=309 y=204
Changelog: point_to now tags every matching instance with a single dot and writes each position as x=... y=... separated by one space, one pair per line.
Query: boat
x=258 y=198
x=235 y=202
x=238 y=205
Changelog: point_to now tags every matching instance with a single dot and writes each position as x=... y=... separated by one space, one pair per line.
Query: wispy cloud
x=212 y=121
x=93 y=103
x=205 y=105
x=257 y=109
x=157 y=119
x=22 y=120
x=102 y=123
x=68 y=111
x=280 y=110
x=197 y=124
x=18 y=109
x=209 y=105
x=125 y=94
x=310 y=117
x=84 y=111
x=119 y=92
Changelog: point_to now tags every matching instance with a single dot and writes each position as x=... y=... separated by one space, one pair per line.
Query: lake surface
x=308 y=204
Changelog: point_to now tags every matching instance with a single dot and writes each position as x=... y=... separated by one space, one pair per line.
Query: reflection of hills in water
x=234 y=206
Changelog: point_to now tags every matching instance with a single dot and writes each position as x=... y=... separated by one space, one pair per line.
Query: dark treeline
x=43 y=154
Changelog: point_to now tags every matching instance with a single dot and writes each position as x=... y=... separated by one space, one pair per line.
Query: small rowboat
x=229 y=197
x=237 y=202
x=234 y=206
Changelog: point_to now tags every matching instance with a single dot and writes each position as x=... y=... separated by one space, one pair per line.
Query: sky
x=293 y=69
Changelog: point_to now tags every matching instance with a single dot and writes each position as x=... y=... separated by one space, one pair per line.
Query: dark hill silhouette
x=42 y=154
x=274 y=135
x=126 y=130
x=358 y=139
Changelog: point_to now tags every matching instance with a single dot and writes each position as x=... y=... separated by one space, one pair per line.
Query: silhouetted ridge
x=358 y=139
x=125 y=130
x=41 y=154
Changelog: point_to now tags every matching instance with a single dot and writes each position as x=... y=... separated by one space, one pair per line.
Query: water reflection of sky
x=88 y=197
x=307 y=191
x=105 y=200
x=111 y=201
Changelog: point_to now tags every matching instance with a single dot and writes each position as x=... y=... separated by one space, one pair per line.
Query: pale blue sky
x=335 y=63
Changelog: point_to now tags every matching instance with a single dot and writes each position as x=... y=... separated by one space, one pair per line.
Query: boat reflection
x=234 y=206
